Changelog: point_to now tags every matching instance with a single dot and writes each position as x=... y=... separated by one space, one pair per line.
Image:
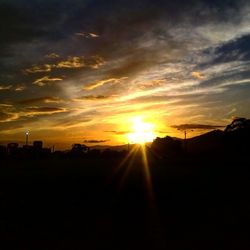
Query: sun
x=142 y=132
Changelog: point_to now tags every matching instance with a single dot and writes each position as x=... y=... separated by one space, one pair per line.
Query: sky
x=76 y=71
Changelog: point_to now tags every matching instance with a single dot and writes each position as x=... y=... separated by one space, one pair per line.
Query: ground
x=55 y=203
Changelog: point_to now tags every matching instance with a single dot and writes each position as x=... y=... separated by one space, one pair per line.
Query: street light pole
x=27 y=137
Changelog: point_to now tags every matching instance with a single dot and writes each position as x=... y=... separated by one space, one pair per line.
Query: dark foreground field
x=87 y=204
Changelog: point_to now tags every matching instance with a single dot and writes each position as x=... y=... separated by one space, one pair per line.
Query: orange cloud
x=39 y=69
x=198 y=75
x=46 y=80
x=45 y=99
x=43 y=110
x=72 y=62
x=99 y=83
x=52 y=56
x=2 y=87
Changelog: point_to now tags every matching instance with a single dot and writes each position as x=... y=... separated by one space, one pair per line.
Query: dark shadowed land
x=190 y=194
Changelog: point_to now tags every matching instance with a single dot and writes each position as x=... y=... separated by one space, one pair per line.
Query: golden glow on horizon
x=142 y=132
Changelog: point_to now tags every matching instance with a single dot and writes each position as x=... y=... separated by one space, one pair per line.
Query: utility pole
x=185 y=140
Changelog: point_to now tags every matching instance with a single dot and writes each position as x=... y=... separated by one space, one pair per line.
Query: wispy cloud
x=117 y=132
x=87 y=35
x=71 y=62
x=52 y=56
x=39 y=69
x=44 y=99
x=7 y=117
x=43 y=110
x=92 y=97
x=99 y=83
x=46 y=80
x=197 y=126
x=20 y=88
x=5 y=87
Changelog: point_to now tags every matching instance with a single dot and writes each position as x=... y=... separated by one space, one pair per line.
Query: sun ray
x=129 y=158
x=147 y=174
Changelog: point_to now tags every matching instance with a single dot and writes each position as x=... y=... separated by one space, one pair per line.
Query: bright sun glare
x=142 y=132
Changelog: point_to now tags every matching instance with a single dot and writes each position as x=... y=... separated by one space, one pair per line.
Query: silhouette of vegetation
x=167 y=146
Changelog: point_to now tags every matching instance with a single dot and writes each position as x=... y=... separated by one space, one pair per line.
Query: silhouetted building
x=12 y=148
x=38 y=144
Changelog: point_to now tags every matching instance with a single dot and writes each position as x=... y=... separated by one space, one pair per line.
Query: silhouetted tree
x=238 y=123
x=237 y=136
x=79 y=149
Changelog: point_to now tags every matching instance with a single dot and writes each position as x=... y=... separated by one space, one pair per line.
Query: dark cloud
x=95 y=141
x=93 y=97
x=238 y=49
x=196 y=126
x=234 y=50
x=228 y=76
x=44 y=109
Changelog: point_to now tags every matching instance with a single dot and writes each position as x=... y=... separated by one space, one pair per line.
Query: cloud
x=52 y=56
x=46 y=80
x=11 y=87
x=6 y=117
x=152 y=84
x=86 y=35
x=3 y=87
x=117 y=132
x=198 y=75
x=196 y=126
x=95 y=141
x=41 y=110
x=71 y=62
x=99 y=83
x=19 y=88
x=93 y=35
x=45 y=99
x=92 y=97
x=39 y=69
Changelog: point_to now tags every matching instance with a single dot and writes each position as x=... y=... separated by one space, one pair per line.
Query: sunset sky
x=82 y=70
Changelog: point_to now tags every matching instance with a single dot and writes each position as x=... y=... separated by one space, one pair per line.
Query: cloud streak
x=94 y=85
x=95 y=141
x=197 y=126
x=46 y=80
x=44 y=99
